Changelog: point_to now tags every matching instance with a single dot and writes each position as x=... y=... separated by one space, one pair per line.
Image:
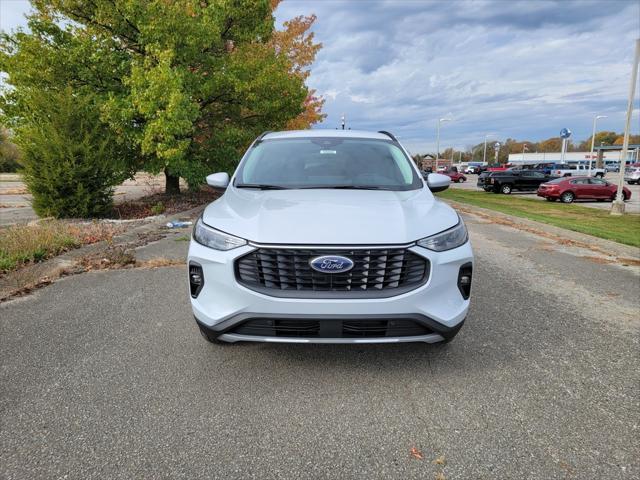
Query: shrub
x=71 y=159
x=158 y=208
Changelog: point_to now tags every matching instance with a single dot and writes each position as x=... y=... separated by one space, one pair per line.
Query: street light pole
x=524 y=149
x=593 y=140
x=617 y=208
x=440 y=120
x=484 y=156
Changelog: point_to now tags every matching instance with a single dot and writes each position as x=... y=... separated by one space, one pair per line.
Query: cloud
x=519 y=69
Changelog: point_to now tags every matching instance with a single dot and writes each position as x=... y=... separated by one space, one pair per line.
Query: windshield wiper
x=261 y=186
x=343 y=187
x=357 y=187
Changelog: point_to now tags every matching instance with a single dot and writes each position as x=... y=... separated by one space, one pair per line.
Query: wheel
x=506 y=189
x=567 y=197
x=599 y=175
x=615 y=195
x=631 y=182
x=208 y=336
x=457 y=180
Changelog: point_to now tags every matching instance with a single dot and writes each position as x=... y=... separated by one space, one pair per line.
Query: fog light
x=196 y=279
x=464 y=280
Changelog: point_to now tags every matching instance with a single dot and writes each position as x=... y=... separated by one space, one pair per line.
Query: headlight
x=215 y=239
x=452 y=238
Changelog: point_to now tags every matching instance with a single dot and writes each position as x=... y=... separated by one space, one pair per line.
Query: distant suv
x=329 y=237
x=456 y=177
x=632 y=175
x=510 y=180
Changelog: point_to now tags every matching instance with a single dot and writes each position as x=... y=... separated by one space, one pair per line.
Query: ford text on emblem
x=331 y=264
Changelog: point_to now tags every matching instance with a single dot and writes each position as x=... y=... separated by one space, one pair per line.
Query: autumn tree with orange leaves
x=295 y=41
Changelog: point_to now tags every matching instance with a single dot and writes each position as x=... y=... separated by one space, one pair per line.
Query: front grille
x=376 y=272
x=330 y=328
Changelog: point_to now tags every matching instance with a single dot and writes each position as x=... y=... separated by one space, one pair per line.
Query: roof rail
x=388 y=134
x=261 y=136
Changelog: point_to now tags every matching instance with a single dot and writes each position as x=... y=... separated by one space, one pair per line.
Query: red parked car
x=455 y=177
x=568 y=189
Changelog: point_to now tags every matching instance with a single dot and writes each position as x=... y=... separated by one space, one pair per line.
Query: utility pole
x=617 y=208
x=484 y=156
x=440 y=120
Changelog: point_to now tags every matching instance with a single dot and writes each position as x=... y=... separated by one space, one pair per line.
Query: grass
x=596 y=222
x=24 y=244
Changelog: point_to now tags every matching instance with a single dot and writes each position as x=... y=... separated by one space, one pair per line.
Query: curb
x=600 y=244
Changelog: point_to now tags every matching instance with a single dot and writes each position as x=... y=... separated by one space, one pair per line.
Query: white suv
x=329 y=236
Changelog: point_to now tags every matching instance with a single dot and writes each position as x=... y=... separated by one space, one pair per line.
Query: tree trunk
x=171 y=184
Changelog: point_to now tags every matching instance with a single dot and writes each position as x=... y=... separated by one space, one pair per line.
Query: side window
x=597 y=181
x=581 y=181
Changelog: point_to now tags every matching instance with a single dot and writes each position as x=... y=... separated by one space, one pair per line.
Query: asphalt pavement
x=104 y=375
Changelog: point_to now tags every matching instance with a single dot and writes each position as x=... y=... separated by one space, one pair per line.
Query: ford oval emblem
x=331 y=264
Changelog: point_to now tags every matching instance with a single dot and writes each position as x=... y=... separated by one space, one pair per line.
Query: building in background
x=602 y=156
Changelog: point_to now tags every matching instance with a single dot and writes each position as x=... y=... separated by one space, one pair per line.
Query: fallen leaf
x=415 y=453
x=440 y=460
x=440 y=476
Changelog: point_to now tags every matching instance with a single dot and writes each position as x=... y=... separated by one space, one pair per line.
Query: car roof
x=315 y=133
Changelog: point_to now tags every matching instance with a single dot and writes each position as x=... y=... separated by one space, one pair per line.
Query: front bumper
x=224 y=304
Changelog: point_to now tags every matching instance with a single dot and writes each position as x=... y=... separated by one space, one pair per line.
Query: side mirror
x=438 y=182
x=218 y=180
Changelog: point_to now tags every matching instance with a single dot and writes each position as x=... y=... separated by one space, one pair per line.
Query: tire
x=615 y=195
x=599 y=175
x=567 y=197
x=208 y=336
x=506 y=189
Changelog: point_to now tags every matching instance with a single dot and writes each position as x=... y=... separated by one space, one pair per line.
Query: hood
x=324 y=217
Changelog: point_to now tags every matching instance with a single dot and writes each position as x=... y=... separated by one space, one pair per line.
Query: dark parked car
x=510 y=180
x=572 y=188
x=482 y=183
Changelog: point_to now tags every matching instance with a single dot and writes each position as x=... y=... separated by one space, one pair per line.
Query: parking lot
x=105 y=375
x=632 y=206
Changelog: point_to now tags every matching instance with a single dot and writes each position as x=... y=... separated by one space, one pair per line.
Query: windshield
x=327 y=163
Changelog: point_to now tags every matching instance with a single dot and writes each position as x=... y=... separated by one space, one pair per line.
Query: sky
x=518 y=69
